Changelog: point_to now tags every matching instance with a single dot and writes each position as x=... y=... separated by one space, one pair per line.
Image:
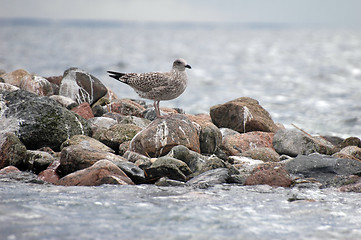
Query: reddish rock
x=84 y=110
x=262 y=153
x=235 y=144
x=127 y=107
x=242 y=115
x=50 y=175
x=102 y=172
x=55 y=79
x=272 y=174
x=9 y=169
x=163 y=134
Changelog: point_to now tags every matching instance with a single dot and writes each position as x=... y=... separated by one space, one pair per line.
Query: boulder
x=116 y=135
x=262 y=153
x=242 y=115
x=84 y=110
x=102 y=172
x=351 y=141
x=86 y=142
x=234 y=143
x=140 y=122
x=293 y=143
x=322 y=167
x=12 y=151
x=37 y=161
x=126 y=107
x=350 y=152
x=168 y=167
x=214 y=162
x=40 y=121
x=272 y=174
x=159 y=137
x=81 y=86
x=353 y=187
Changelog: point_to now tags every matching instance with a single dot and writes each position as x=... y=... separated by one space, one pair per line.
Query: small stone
x=9 y=169
x=50 y=175
x=194 y=160
x=127 y=107
x=263 y=153
x=84 y=110
x=272 y=174
x=12 y=151
x=210 y=178
x=37 y=161
x=166 y=182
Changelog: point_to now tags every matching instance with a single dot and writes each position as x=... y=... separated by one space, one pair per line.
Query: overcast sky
x=339 y=13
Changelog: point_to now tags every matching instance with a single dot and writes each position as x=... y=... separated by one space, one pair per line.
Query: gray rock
x=293 y=143
x=37 y=161
x=87 y=142
x=322 y=167
x=101 y=122
x=132 y=171
x=65 y=101
x=213 y=177
x=40 y=121
x=194 y=160
x=166 y=182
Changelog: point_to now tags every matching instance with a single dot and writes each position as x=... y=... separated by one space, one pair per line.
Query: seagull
x=157 y=86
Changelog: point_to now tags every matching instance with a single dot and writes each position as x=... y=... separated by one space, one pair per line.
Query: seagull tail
x=117 y=76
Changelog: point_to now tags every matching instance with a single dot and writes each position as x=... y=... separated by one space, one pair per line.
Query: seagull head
x=180 y=64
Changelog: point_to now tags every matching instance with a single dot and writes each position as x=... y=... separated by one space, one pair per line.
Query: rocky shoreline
x=71 y=130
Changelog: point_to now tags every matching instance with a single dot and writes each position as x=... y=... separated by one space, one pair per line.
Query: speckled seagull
x=157 y=86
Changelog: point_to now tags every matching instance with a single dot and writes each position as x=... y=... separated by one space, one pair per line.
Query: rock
x=234 y=143
x=81 y=86
x=50 y=175
x=84 y=110
x=64 y=101
x=36 y=84
x=140 y=122
x=353 y=187
x=133 y=157
x=40 y=121
x=350 y=152
x=194 y=160
x=7 y=87
x=272 y=174
x=242 y=115
x=12 y=151
x=210 y=137
x=163 y=134
x=86 y=142
x=127 y=107
x=293 y=143
x=263 y=153
x=123 y=148
x=14 y=78
x=245 y=165
x=214 y=162
x=9 y=169
x=55 y=80
x=101 y=122
x=135 y=173
x=351 y=141
x=322 y=167
x=116 y=135
x=37 y=161
x=210 y=178
x=102 y=172
x=166 y=182
x=341 y=180
x=168 y=167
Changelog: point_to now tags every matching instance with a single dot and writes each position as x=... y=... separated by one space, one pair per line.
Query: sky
x=334 y=13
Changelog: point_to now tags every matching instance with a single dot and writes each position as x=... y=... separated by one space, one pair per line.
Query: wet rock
x=77 y=157
x=242 y=115
x=168 y=167
x=263 y=153
x=210 y=178
x=166 y=182
x=165 y=133
x=86 y=142
x=127 y=107
x=210 y=137
x=64 y=101
x=84 y=110
x=101 y=122
x=116 y=135
x=50 y=174
x=40 y=121
x=322 y=167
x=234 y=143
x=12 y=151
x=102 y=172
x=350 y=152
x=272 y=174
x=7 y=87
x=9 y=169
x=293 y=143
x=194 y=160
x=37 y=161
x=81 y=86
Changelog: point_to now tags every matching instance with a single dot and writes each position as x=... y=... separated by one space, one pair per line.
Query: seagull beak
x=188 y=66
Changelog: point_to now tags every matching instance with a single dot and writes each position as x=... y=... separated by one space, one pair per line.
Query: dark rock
x=293 y=143
x=214 y=162
x=210 y=178
x=234 y=143
x=168 y=167
x=81 y=86
x=55 y=79
x=242 y=115
x=272 y=174
x=37 y=161
x=341 y=180
x=102 y=172
x=194 y=160
x=12 y=151
x=116 y=135
x=87 y=142
x=322 y=167
x=166 y=182
x=127 y=107
x=84 y=110
x=132 y=171
x=123 y=148
x=263 y=153
x=351 y=141
x=40 y=121
x=159 y=137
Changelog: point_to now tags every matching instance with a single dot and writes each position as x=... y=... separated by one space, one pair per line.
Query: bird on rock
x=157 y=86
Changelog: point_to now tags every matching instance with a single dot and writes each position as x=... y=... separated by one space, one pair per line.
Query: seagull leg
x=156 y=108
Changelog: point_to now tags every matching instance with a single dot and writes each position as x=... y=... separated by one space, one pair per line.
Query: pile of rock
x=72 y=130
